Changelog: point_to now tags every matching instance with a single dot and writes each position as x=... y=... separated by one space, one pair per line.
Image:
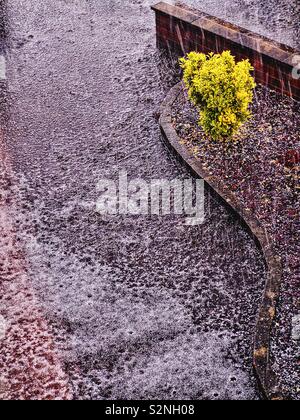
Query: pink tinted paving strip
x=29 y=365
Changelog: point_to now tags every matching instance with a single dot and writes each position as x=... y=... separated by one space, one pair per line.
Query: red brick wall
x=182 y=30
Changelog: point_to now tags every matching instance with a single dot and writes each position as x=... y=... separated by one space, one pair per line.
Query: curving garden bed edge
x=267 y=380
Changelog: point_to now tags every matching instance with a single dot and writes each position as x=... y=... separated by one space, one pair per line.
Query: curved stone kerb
x=267 y=381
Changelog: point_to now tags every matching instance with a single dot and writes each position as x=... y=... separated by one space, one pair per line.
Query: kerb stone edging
x=267 y=380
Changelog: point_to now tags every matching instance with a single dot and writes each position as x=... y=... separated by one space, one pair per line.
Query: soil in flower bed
x=262 y=167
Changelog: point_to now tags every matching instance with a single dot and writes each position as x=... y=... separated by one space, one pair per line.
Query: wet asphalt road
x=140 y=307
x=276 y=19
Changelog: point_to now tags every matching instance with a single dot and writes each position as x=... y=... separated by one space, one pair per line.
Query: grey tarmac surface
x=275 y=19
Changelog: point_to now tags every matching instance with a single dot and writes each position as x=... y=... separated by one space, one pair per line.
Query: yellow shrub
x=221 y=89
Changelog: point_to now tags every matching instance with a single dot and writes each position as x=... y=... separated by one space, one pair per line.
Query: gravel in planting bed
x=261 y=166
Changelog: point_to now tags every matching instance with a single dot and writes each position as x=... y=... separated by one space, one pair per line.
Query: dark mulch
x=262 y=166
